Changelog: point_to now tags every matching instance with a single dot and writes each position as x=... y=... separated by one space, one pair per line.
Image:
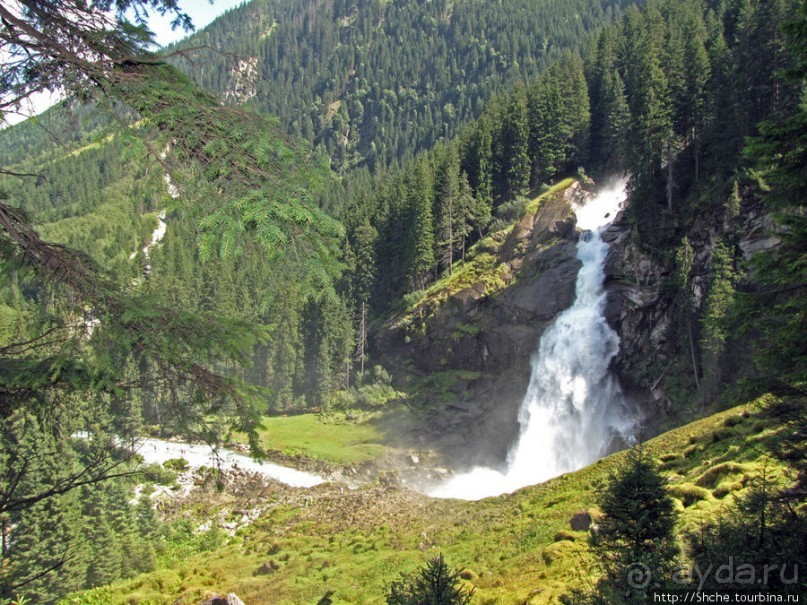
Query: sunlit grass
x=329 y=439
x=482 y=268
x=514 y=548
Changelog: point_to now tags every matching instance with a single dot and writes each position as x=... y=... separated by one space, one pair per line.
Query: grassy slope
x=356 y=541
x=335 y=440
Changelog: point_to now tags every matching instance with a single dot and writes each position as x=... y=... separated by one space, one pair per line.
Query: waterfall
x=573 y=407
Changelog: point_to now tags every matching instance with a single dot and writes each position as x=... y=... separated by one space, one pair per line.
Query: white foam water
x=573 y=407
x=157 y=451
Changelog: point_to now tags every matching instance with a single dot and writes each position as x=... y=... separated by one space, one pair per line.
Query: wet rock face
x=635 y=307
x=642 y=307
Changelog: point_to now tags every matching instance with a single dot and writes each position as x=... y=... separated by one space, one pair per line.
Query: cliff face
x=466 y=346
x=641 y=313
x=659 y=339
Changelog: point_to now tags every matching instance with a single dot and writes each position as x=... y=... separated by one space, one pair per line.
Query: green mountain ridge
x=373 y=82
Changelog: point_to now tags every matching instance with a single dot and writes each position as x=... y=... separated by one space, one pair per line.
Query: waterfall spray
x=573 y=406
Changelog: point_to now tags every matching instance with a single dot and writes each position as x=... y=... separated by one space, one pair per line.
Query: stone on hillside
x=581 y=521
x=268 y=568
x=229 y=599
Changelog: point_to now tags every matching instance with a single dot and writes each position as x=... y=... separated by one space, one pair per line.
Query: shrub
x=179 y=465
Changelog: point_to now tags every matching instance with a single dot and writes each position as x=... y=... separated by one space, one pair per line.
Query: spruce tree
x=449 y=208
x=477 y=163
x=434 y=584
x=511 y=149
x=778 y=308
x=761 y=536
x=634 y=541
x=421 y=226
x=547 y=142
x=363 y=277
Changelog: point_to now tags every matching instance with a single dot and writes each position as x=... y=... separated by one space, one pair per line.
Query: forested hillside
x=374 y=81
x=667 y=95
x=670 y=96
x=88 y=357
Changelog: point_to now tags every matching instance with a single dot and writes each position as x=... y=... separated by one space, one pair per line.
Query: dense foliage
x=373 y=81
x=86 y=358
x=634 y=540
x=671 y=110
x=435 y=584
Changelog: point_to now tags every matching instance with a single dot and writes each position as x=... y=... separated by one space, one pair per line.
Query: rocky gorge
x=481 y=325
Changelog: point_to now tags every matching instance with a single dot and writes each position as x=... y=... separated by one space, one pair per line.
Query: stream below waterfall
x=573 y=407
x=157 y=451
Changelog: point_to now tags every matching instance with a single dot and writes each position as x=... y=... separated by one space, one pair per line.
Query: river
x=157 y=451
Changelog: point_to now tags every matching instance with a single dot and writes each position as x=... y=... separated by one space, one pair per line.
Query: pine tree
x=45 y=556
x=364 y=273
x=692 y=108
x=147 y=521
x=434 y=584
x=610 y=114
x=477 y=163
x=577 y=110
x=651 y=143
x=547 y=143
x=634 y=541
x=450 y=213
x=420 y=226
x=474 y=214
x=104 y=560
x=511 y=159
x=716 y=319
x=777 y=309
x=762 y=531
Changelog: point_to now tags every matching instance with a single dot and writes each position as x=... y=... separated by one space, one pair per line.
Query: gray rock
x=581 y=521
x=229 y=599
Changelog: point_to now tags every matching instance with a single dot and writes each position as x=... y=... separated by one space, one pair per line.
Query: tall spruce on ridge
x=420 y=237
x=511 y=158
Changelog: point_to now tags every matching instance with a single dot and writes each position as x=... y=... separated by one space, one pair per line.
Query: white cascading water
x=573 y=407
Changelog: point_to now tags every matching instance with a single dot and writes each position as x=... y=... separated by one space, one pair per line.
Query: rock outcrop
x=657 y=341
x=639 y=313
x=467 y=345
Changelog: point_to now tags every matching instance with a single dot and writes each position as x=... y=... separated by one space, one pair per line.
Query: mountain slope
x=514 y=548
x=377 y=81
